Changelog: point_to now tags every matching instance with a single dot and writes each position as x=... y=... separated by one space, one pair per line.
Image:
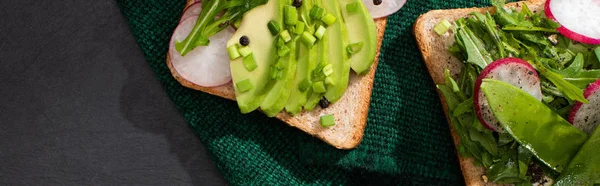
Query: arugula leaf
x=208 y=24
x=569 y=90
x=529 y=29
x=464 y=107
x=476 y=53
x=577 y=75
x=485 y=138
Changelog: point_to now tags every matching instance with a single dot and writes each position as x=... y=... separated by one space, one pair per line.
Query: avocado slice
x=277 y=98
x=337 y=39
x=254 y=25
x=306 y=61
x=363 y=30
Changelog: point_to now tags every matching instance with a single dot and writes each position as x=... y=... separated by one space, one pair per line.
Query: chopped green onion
x=319 y=87
x=283 y=51
x=244 y=85
x=273 y=73
x=442 y=27
x=308 y=39
x=352 y=8
x=280 y=74
x=329 y=81
x=285 y=35
x=273 y=28
x=299 y=28
x=250 y=63
x=245 y=51
x=328 y=70
x=233 y=52
x=354 y=47
x=290 y=14
x=327 y=120
x=320 y=32
x=316 y=12
x=280 y=42
x=304 y=85
x=279 y=64
x=328 y=19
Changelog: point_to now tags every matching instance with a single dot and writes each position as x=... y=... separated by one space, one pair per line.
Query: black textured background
x=80 y=106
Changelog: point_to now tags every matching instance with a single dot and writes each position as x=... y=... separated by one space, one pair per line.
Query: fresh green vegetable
x=320 y=32
x=584 y=169
x=328 y=19
x=319 y=87
x=264 y=50
x=305 y=84
x=245 y=51
x=290 y=15
x=250 y=63
x=352 y=8
x=285 y=36
x=233 y=52
x=244 y=86
x=207 y=25
x=327 y=120
x=442 y=27
x=361 y=29
x=308 y=39
x=274 y=28
x=283 y=51
x=565 y=68
x=354 y=47
x=299 y=28
x=552 y=139
x=316 y=12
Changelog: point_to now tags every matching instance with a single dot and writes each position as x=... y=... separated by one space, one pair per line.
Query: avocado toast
x=351 y=109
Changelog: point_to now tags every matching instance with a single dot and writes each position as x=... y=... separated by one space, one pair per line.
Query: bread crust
x=350 y=111
x=434 y=49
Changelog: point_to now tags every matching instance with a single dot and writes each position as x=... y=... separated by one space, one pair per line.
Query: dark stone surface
x=80 y=106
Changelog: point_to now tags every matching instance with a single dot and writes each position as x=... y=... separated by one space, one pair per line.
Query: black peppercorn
x=324 y=103
x=377 y=2
x=244 y=41
x=297 y=3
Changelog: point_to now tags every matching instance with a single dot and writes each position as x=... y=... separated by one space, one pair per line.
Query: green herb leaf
x=569 y=90
x=476 y=53
x=208 y=24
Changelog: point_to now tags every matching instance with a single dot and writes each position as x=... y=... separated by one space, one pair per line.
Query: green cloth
x=406 y=141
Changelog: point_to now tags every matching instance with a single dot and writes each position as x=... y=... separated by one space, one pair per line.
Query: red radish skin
x=585 y=116
x=594 y=9
x=191 y=11
x=511 y=70
x=206 y=66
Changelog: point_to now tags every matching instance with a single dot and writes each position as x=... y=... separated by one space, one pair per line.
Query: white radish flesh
x=585 y=116
x=514 y=71
x=386 y=8
x=580 y=19
x=206 y=66
x=191 y=11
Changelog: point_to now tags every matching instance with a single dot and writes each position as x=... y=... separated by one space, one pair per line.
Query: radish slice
x=191 y=11
x=206 y=66
x=387 y=7
x=580 y=19
x=514 y=71
x=585 y=116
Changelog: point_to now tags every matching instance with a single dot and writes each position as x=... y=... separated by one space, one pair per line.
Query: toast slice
x=351 y=110
x=434 y=49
